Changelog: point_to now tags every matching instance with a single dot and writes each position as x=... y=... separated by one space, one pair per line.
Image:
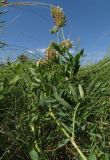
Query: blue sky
x=88 y=19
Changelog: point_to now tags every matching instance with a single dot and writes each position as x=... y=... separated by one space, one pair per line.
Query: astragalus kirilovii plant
x=60 y=67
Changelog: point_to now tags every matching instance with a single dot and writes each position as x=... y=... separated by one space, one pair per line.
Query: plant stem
x=77 y=148
x=58 y=37
x=62 y=34
x=37 y=147
x=67 y=135
x=74 y=116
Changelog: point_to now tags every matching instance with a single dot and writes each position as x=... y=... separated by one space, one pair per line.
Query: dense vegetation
x=52 y=109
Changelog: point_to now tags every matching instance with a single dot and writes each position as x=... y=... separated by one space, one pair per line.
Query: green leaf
x=64 y=103
x=74 y=92
x=81 y=91
x=92 y=157
x=54 y=30
x=97 y=86
x=15 y=79
x=63 y=142
x=61 y=100
x=33 y=154
x=78 y=55
x=55 y=92
x=91 y=86
x=31 y=151
x=42 y=100
x=69 y=129
x=32 y=71
x=37 y=80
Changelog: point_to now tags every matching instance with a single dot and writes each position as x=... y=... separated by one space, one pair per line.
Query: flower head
x=67 y=44
x=50 y=52
x=58 y=16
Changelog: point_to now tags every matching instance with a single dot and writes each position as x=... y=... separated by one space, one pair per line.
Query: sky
x=28 y=27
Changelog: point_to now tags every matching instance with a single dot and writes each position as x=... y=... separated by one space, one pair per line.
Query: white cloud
x=41 y=50
x=30 y=51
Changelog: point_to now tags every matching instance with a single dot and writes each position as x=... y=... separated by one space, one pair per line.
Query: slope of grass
x=42 y=108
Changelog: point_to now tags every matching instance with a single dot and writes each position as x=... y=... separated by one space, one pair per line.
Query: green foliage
x=55 y=109
x=27 y=94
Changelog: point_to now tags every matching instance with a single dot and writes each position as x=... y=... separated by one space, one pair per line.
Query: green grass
x=42 y=107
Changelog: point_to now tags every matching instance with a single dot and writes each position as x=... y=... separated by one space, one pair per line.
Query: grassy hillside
x=42 y=107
